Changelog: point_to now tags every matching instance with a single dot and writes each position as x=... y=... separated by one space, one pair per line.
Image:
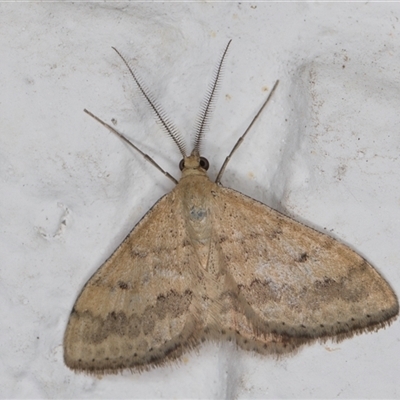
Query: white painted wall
x=325 y=151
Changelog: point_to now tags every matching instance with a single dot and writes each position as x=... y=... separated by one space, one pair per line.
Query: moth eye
x=181 y=164
x=204 y=163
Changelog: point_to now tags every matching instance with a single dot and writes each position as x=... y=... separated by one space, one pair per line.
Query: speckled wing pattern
x=295 y=284
x=208 y=263
x=134 y=311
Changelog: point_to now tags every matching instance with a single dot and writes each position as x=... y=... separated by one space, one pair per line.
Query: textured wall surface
x=325 y=151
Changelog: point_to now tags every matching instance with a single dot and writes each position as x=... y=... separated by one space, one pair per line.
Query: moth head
x=194 y=162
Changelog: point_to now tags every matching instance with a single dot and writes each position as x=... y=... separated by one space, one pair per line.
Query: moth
x=209 y=263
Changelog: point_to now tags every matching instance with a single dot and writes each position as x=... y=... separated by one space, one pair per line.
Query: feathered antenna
x=207 y=105
x=160 y=114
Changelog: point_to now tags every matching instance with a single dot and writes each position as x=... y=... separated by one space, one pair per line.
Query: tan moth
x=209 y=263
